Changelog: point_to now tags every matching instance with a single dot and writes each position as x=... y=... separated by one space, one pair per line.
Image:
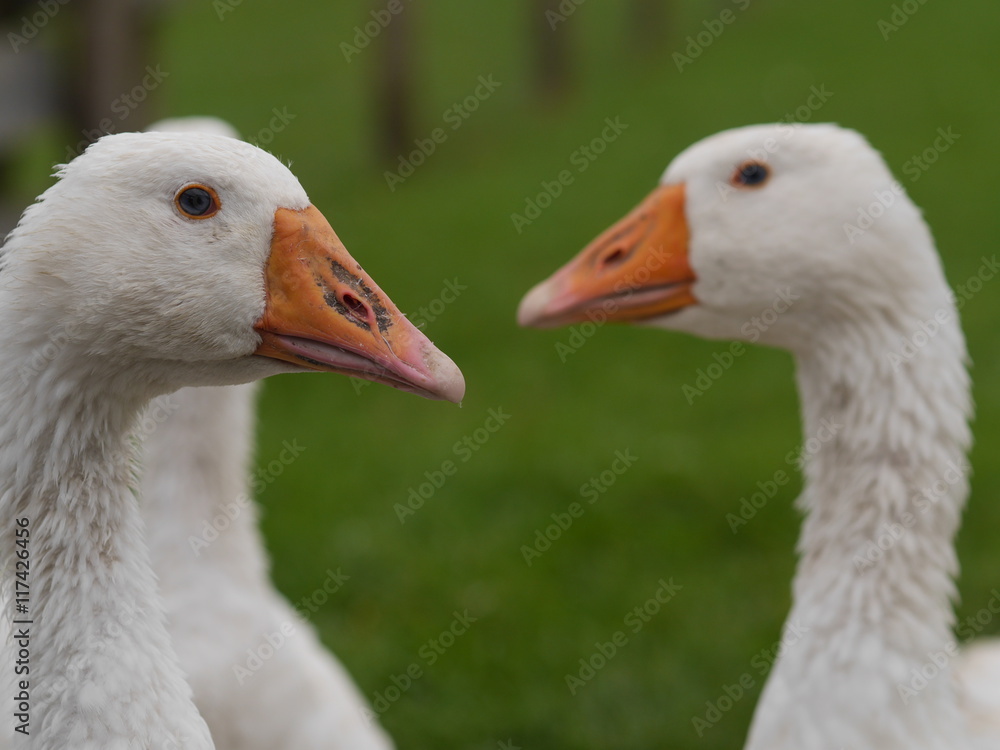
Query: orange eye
x=198 y=202
x=750 y=174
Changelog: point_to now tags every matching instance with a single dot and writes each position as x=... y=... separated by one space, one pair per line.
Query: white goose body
x=764 y=218
x=222 y=611
x=155 y=262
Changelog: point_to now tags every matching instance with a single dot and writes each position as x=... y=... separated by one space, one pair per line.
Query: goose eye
x=750 y=174
x=197 y=202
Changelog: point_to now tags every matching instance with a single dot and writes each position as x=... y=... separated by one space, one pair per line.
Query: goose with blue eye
x=156 y=261
x=761 y=224
x=198 y=202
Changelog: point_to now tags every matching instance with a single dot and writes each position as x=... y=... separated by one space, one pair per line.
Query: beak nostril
x=615 y=257
x=356 y=308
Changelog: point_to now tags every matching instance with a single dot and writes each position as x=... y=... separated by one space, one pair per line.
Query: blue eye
x=197 y=202
x=750 y=174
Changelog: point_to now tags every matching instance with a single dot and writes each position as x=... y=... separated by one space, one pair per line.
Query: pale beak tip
x=449 y=383
x=531 y=311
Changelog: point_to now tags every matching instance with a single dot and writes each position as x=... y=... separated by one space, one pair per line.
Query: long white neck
x=197 y=503
x=867 y=648
x=102 y=670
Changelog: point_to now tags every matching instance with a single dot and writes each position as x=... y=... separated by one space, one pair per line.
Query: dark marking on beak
x=333 y=301
x=364 y=291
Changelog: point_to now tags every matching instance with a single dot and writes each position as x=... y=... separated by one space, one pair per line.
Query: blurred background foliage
x=346 y=122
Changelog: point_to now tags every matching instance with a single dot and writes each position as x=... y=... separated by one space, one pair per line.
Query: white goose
x=157 y=261
x=766 y=218
x=220 y=604
x=223 y=614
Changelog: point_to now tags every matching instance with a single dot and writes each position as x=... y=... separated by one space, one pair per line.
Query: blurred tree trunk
x=394 y=87
x=96 y=76
x=650 y=22
x=111 y=74
x=553 y=67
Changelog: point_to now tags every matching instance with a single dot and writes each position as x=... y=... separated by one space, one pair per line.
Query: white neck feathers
x=103 y=672
x=887 y=403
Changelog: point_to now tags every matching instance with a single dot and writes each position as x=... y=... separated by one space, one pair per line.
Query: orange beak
x=635 y=270
x=324 y=312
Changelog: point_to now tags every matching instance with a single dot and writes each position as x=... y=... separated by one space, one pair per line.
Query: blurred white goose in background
x=766 y=218
x=221 y=606
x=260 y=676
x=156 y=261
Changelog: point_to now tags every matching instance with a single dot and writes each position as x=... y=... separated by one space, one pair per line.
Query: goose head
x=198 y=259
x=804 y=221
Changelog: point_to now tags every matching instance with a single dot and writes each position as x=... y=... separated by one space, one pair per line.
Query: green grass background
x=665 y=517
